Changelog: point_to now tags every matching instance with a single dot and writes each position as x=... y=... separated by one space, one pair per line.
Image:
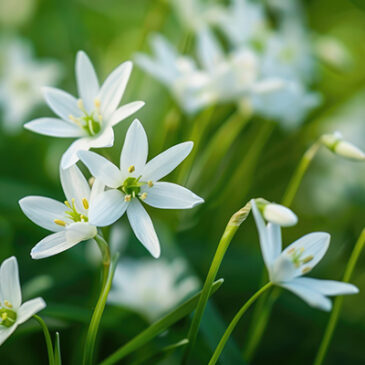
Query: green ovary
x=131 y=186
x=7 y=317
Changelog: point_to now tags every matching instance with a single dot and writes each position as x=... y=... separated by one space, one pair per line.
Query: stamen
x=97 y=104
x=291 y=250
x=306 y=269
x=143 y=196
x=91 y=181
x=127 y=198
x=150 y=183
x=131 y=169
x=67 y=204
x=85 y=203
x=8 y=304
x=80 y=104
x=4 y=316
x=60 y=222
x=307 y=259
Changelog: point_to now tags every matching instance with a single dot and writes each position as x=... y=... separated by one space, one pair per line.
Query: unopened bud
x=279 y=214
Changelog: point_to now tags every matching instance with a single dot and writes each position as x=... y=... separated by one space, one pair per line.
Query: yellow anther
x=150 y=183
x=131 y=168
x=85 y=203
x=60 y=222
x=143 y=196
x=301 y=249
x=67 y=204
x=71 y=117
x=8 y=304
x=100 y=117
x=307 y=259
x=97 y=103
x=80 y=104
x=127 y=198
x=291 y=250
x=91 y=181
x=4 y=316
x=306 y=269
x=82 y=217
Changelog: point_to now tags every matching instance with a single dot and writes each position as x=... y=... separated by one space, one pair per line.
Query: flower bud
x=335 y=143
x=280 y=215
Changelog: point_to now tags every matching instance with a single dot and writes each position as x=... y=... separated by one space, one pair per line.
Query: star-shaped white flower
x=287 y=267
x=12 y=311
x=69 y=220
x=137 y=181
x=90 y=118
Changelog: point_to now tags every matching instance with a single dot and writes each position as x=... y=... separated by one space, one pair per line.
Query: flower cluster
x=267 y=69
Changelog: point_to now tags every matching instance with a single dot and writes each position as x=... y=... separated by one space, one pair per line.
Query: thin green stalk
x=105 y=253
x=158 y=327
x=332 y=322
x=57 y=350
x=264 y=307
x=98 y=312
x=299 y=173
x=234 y=322
x=226 y=239
x=47 y=338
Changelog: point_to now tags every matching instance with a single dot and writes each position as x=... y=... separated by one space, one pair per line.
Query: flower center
x=90 y=122
x=7 y=315
x=73 y=213
x=131 y=186
x=296 y=256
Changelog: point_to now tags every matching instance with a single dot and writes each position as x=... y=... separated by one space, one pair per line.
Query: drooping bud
x=335 y=143
x=279 y=214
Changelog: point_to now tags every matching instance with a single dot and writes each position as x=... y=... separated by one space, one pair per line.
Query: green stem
x=234 y=322
x=339 y=300
x=105 y=253
x=226 y=239
x=98 y=312
x=299 y=173
x=47 y=338
x=157 y=327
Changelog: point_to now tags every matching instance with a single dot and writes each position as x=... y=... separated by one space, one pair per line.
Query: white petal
x=143 y=228
x=113 y=88
x=102 y=168
x=328 y=287
x=29 y=308
x=43 y=211
x=103 y=139
x=80 y=231
x=70 y=157
x=166 y=161
x=97 y=188
x=9 y=282
x=62 y=103
x=312 y=297
x=6 y=332
x=75 y=186
x=107 y=208
x=135 y=150
x=274 y=237
x=313 y=244
x=87 y=81
x=54 y=127
x=166 y=195
x=265 y=242
x=51 y=245
x=124 y=112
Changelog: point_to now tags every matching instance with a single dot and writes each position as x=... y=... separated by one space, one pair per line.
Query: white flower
x=69 y=220
x=90 y=118
x=12 y=311
x=287 y=267
x=21 y=79
x=178 y=73
x=151 y=287
x=137 y=181
x=335 y=143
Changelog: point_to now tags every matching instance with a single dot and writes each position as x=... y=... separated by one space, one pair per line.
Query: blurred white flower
x=90 y=118
x=137 y=181
x=178 y=73
x=287 y=267
x=12 y=311
x=69 y=220
x=21 y=79
x=151 y=287
x=194 y=14
x=336 y=143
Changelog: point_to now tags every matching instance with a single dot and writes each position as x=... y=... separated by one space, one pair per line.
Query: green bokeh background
x=111 y=31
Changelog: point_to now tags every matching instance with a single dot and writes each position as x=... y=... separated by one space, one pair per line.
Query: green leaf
x=57 y=350
x=159 y=326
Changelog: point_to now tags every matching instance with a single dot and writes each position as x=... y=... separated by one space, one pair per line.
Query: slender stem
x=105 y=253
x=98 y=312
x=332 y=322
x=226 y=239
x=299 y=173
x=234 y=322
x=47 y=338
